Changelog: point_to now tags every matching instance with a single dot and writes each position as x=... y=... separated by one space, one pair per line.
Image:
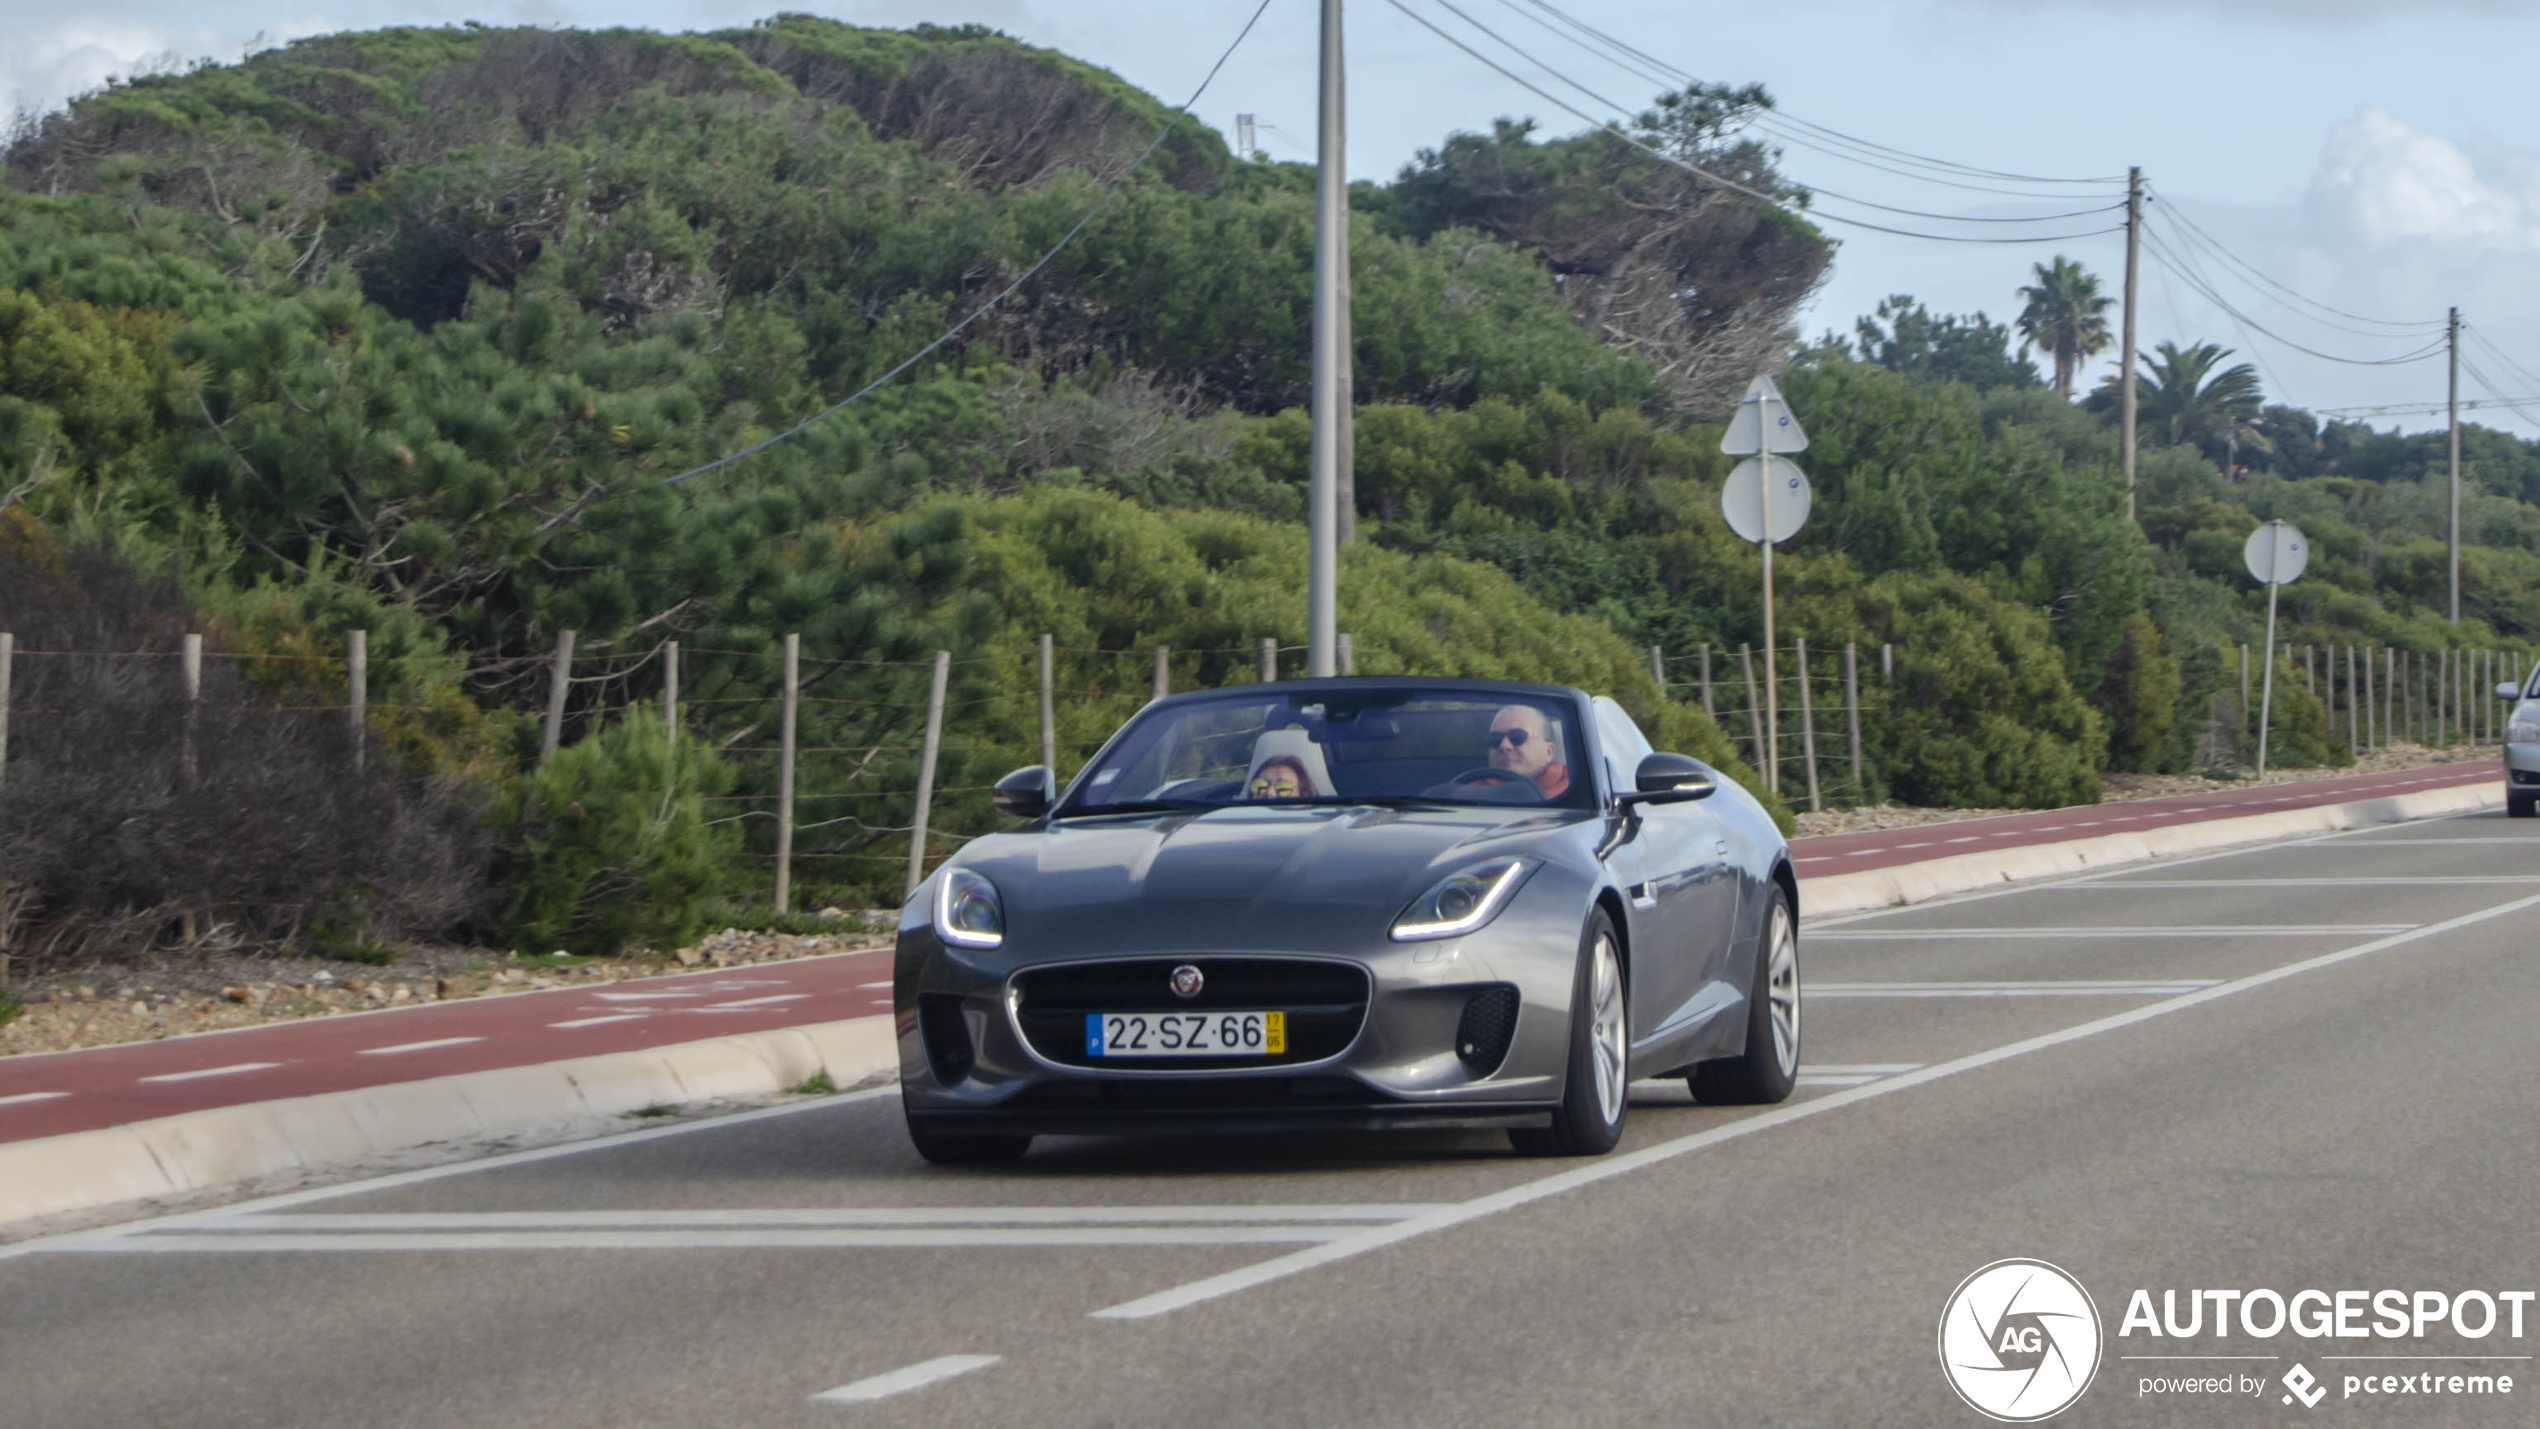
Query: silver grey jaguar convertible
x=1351 y=903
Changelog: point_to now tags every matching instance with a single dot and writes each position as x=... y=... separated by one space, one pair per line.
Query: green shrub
x=607 y=846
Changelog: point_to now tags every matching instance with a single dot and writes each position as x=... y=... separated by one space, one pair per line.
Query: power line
x=1901 y=155
x=2415 y=409
x=2160 y=254
x=1452 y=8
x=1722 y=180
x=956 y=329
x=2195 y=233
x=2516 y=368
x=2493 y=391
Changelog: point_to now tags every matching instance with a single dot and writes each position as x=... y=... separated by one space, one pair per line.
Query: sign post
x=1766 y=501
x=2276 y=553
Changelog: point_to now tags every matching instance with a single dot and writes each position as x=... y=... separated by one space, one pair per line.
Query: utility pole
x=1331 y=265
x=2452 y=403
x=2125 y=359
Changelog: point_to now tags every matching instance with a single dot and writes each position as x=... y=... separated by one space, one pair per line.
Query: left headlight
x=1462 y=901
x=2522 y=731
x=967 y=911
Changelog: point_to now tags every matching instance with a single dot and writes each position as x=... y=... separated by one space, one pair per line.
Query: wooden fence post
x=1852 y=718
x=1049 y=708
x=357 y=693
x=1807 y=726
x=1708 y=712
x=2371 y=706
x=670 y=691
x=1269 y=658
x=1658 y=669
x=785 y=773
x=2310 y=676
x=1887 y=663
x=8 y=657
x=2244 y=687
x=2354 y=720
x=1163 y=672
x=1754 y=717
x=926 y=772
x=556 y=687
x=1345 y=652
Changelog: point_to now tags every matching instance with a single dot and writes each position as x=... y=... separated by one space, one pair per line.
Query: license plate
x=1186 y=1034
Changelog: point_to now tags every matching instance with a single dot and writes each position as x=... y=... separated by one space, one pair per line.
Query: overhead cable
x=2195 y=233
x=1099 y=204
x=2160 y=253
x=1901 y=155
x=2498 y=393
x=2502 y=357
x=1721 y=179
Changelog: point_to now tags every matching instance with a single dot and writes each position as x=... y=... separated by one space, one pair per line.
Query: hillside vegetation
x=403 y=332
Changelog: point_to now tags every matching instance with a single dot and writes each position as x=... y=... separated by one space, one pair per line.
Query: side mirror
x=1670 y=779
x=1026 y=793
x=2509 y=691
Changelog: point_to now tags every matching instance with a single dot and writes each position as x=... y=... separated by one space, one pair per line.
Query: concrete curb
x=201 y=1150
x=1962 y=873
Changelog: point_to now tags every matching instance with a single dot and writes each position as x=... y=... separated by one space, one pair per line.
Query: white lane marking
x=603 y=1021
x=769 y=1238
x=2199 y=930
x=31 y=1097
x=869 y=986
x=2075 y=988
x=90 y=1239
x=1833 y=1079
x=1860 y=1069
x=2407 y=882
x=900 y=1381
x=2419 y=843
x=798 y=1217
x=416 y=1046
x=1624 y=1163
x=767 y=1001
x=1971 y=838
x=231 y=1070
x=1925 y=844
x=642 y=996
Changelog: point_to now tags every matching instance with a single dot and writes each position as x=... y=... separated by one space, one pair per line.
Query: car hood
x=1242 y=876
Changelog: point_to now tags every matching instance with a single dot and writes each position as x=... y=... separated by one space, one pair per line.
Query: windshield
x=1405 y=744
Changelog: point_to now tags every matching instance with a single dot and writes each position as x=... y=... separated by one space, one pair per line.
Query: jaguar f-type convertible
x=1364 y=903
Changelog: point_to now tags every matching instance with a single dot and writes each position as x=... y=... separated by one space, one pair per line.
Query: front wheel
x=1597 y=1094
x=1769 y=1067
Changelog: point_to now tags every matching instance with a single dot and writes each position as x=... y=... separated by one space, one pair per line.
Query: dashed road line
x=2277 y=930
x=31 y=1097
x=901 y=1381
x=2149 y=987
x=602 y=1021
x=768 y=1001
x=229 y=1071
x=403 y=1047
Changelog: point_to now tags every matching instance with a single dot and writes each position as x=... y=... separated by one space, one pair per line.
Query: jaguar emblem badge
x=1187 y=981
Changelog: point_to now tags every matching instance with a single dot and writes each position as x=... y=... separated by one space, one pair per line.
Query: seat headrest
x=1292 y=743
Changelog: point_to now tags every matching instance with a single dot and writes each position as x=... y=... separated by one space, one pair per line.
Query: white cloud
x=46 y=65
x=2384 y=182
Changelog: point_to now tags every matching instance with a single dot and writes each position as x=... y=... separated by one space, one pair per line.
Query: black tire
x=965 y=1148
x=2521 y=806
x=1597 y=1090
x=1769 y=1067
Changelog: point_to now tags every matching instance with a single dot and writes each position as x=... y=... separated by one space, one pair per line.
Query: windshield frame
x=1587 y=789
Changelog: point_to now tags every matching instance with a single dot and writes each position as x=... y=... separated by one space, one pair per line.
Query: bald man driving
x=1521 y=743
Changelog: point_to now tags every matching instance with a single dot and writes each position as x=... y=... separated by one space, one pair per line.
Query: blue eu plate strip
x=1093 y=1034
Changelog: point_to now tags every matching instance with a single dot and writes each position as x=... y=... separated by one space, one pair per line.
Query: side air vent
x=946 y=1036
x=1489 y=1023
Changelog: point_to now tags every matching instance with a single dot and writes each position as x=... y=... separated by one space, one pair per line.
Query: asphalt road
x=2305 y=1066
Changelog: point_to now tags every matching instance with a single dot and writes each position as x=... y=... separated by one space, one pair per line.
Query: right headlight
x=968 y=913
x=1462 y=901
x=2522 y=731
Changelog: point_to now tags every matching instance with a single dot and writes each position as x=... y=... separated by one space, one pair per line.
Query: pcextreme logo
x=2019 y=1341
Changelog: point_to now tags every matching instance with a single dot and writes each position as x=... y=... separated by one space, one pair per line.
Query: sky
x=2374 y=157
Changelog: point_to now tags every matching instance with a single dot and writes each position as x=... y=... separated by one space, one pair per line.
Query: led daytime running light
x=1495 y=895
x=957 y=884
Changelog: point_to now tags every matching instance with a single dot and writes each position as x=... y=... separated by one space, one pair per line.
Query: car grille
x=1490 y=1020
x=1324 y=1001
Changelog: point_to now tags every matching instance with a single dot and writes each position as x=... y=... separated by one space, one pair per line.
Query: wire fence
x=862 y=774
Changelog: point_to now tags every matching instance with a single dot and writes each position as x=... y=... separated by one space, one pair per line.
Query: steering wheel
x=1487 y=775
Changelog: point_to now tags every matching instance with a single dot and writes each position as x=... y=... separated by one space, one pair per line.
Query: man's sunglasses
x=1513 y=738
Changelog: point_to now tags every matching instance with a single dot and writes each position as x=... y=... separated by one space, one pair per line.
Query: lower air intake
x=946 y=1035
x=1488 y=1025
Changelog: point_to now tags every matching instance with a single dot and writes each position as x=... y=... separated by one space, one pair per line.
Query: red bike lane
x=48 y=1094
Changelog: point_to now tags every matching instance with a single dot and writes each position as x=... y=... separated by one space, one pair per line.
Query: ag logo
x=2019 y=1340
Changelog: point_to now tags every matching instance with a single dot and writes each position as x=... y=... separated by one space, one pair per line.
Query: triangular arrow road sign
x=1760 y=411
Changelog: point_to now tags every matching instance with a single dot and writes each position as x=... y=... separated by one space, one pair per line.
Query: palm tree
x=2185 y=401
x=2067 y=316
